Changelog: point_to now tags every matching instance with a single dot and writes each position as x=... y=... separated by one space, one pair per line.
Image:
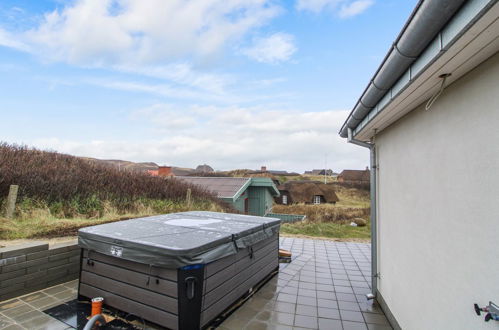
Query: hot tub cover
x=178 y=239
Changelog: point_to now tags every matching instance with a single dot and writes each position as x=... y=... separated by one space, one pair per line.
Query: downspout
x=374 y=220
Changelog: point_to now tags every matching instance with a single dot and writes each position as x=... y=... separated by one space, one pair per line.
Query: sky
x=230 y=83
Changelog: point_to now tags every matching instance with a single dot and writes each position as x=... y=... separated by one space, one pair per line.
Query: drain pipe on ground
x=374 y=238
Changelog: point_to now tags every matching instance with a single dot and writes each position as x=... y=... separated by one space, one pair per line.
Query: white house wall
x=439 y=207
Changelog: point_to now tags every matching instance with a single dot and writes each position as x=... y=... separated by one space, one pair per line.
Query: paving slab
x=322 y=288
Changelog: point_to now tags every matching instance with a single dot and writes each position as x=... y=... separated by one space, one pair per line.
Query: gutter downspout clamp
x=374 y=237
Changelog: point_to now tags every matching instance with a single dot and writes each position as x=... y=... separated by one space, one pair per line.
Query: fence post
x=188 y=197
x=11 y=201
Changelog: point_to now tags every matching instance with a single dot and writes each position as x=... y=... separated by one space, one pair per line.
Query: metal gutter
x=374 y=220
x=426 y=21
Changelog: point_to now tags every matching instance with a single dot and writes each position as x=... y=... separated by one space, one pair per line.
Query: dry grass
x=72 y=187
x=326 y=230
x=328 y=220
x=40 y=223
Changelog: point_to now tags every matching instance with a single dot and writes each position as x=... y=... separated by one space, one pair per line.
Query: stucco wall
x=439 y=207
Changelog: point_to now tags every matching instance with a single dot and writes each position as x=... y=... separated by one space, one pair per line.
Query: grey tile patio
x=322 y=288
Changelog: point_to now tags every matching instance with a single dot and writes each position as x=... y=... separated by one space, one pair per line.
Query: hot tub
x=178 y=270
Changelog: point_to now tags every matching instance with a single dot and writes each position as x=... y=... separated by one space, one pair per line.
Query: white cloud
x=135 y=32
x=355 y=8
x=343 y=8
x=278 y=47
x=229 y=138
x=8 y=40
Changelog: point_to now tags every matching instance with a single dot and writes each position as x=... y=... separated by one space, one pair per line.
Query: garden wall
x=34 y=266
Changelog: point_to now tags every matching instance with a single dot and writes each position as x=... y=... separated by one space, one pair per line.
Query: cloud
x=355 y=8
x=126 y=32
x=228 y=138
x=278 y=47
x=8 y=40
x=343 y=8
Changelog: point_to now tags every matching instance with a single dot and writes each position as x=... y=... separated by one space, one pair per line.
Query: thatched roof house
x=308 y=192
x=355 y=176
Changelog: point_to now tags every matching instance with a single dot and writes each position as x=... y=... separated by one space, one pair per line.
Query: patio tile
x=328 y=303
x=17 y=311
x=28 y=316
x=256 y=325
x=264 y=316
x=14 y=327
x=343 y=289
x=284 y=297
x=55 y=289
x=285 y=307
x=329 y=313
x=43 y=321
x=308 y=279
x=346 y=297
x=378 y=327
x=326 y=295
x=282 y=318
x=289 y=290
x=349 y=306
x=325 y=287
x=375 y=318
x=370 y=306
x=306 y=285
x=234 y=323
x=245 y=313
x=33 y=297
x=307 y=322
x=347 y=325
x=309 y=301
x=306 y=310
x=351 y=316
x=279 y=327
x=13 y=303
x=324 y=281
x=4 y=322
x=328 y=324
x=307 y=293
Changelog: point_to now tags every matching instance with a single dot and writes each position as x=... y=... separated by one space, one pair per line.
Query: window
x=285 y=199
x=317 y=199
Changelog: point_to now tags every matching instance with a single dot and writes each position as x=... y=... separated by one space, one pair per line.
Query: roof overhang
x=468 y=39
x=240 y=191
x=265 y=182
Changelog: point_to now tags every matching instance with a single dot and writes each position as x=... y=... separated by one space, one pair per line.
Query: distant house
x=355 y=176
x=174 y=171
x=308 y=192
x=319 y=172
x=253 y=196
x=204 y=169
x=265 y=171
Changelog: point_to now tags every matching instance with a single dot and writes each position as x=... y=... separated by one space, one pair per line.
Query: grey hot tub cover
x=178 y=239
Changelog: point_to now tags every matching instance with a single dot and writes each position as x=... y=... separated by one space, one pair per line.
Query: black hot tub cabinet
x=178 y=270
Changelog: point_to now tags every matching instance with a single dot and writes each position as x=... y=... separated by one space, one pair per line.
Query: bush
x=323 y=213
x=69 y=185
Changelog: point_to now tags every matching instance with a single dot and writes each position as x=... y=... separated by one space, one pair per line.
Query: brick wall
x=34 y=266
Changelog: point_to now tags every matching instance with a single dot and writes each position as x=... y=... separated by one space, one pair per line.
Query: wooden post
x=188 y=197
x=11 y=201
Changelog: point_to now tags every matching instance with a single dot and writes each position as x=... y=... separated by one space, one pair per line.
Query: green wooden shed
x=248 y=195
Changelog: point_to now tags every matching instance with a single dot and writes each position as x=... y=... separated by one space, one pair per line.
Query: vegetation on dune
x=58 y=186
x=327 y=230
x=331 y=220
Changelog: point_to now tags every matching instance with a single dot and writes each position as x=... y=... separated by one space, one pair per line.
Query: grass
x=331 y=220
x=41 y=223
x=326 y=230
